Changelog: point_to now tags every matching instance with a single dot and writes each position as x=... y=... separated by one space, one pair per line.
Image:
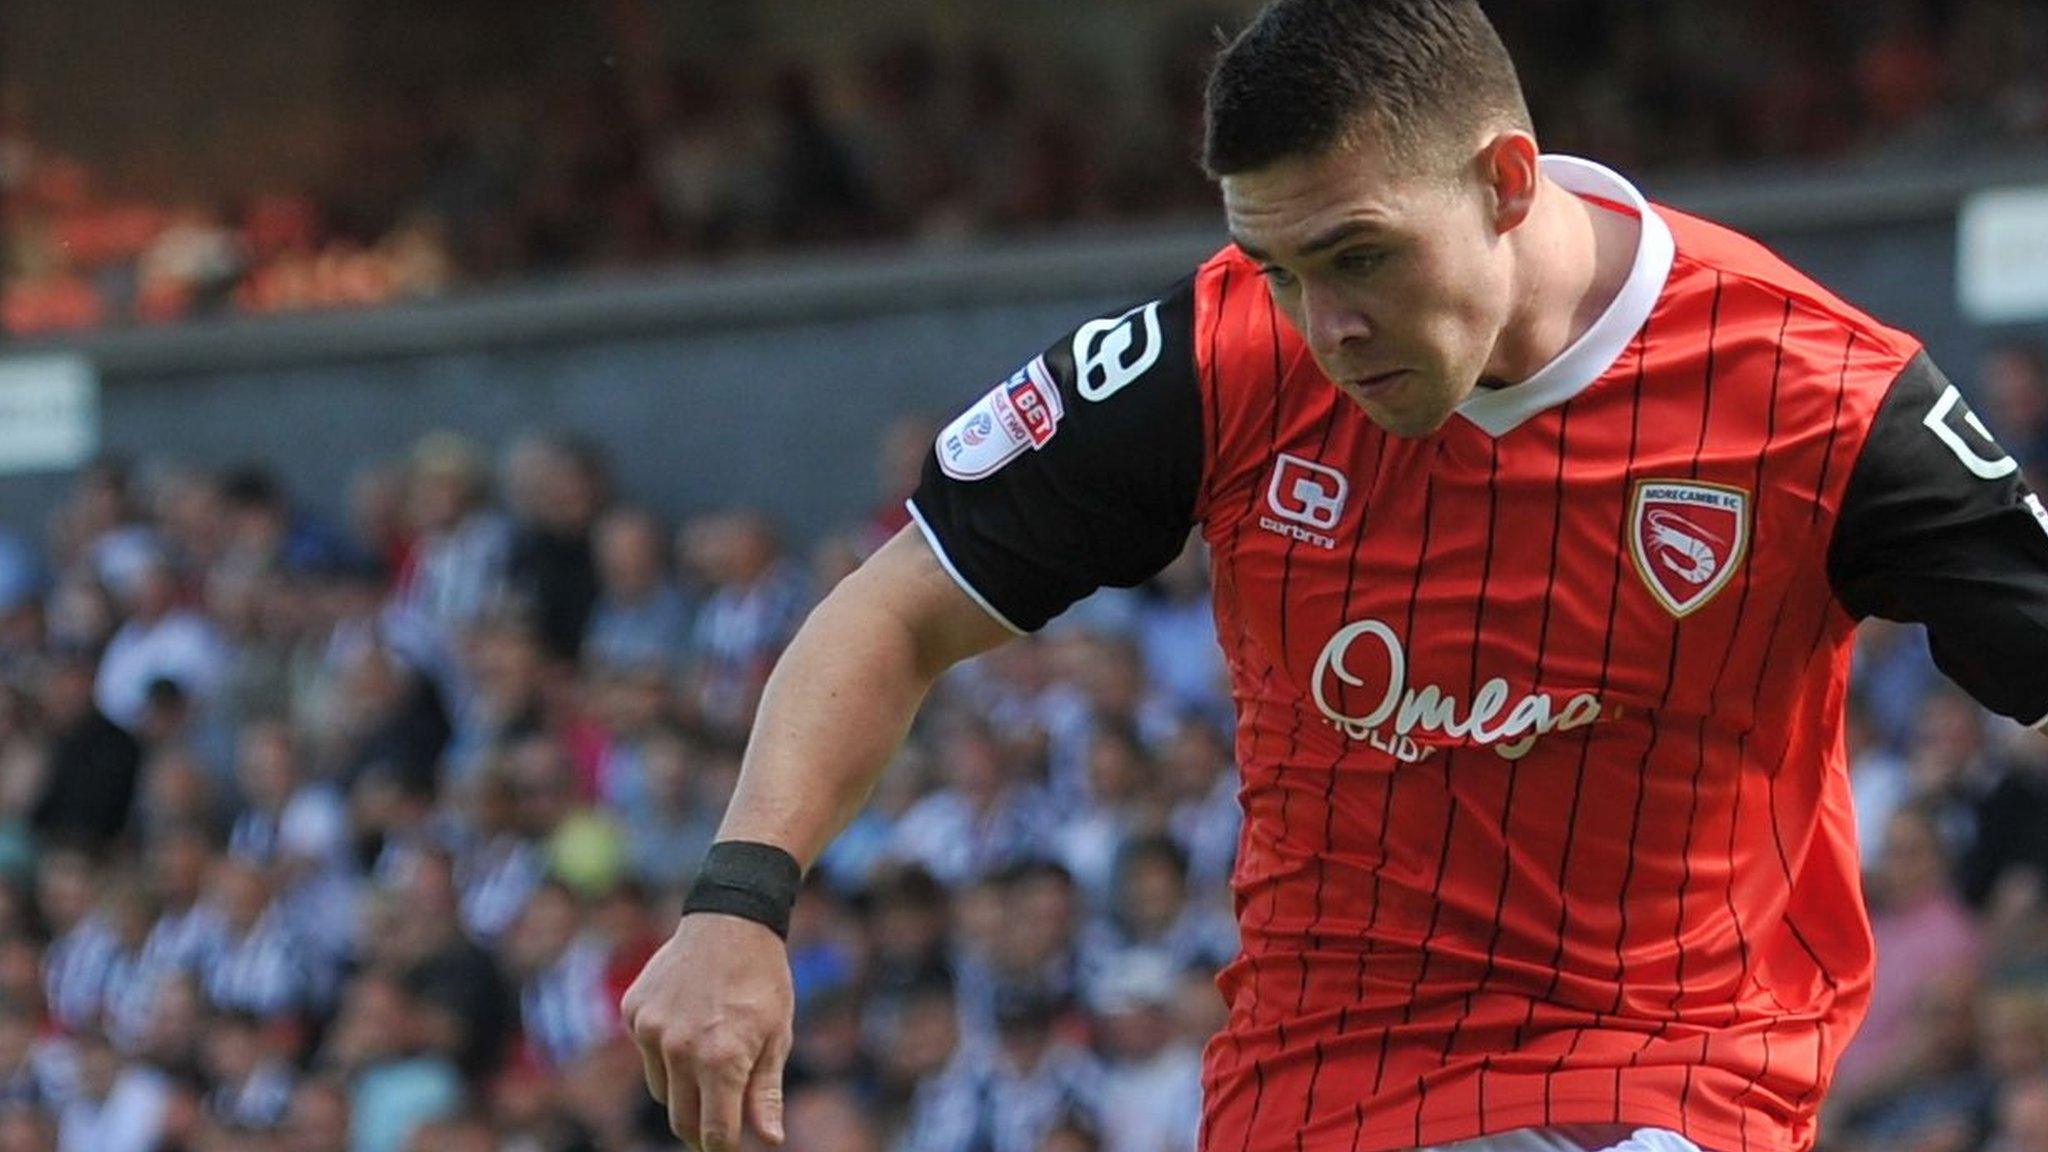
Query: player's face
x=1399 y=281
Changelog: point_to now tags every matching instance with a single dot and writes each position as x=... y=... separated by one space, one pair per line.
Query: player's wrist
x=747 y=879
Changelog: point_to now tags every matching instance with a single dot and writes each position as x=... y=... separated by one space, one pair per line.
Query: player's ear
x=1508 y=168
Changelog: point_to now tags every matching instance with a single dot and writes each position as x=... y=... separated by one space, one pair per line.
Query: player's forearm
x=836 y=707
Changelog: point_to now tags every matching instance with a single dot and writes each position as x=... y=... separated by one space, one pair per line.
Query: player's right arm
x=1080 y=470
x=711 y=1011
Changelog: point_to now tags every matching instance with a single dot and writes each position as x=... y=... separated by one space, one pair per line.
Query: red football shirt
x=1546 y=813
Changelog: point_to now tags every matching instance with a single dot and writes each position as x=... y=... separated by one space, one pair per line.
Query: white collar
x=1498 y=411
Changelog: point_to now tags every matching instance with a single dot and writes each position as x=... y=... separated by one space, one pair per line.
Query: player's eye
x=1361 y=261
x=1277 y=277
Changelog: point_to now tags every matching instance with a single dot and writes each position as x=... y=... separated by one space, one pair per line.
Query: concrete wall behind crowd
x=772 y=386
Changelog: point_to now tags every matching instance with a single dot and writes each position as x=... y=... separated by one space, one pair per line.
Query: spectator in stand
x=642 y=618
x=117 y=1107
x=176 y=1037
x=1152 y=913
x=190 y=268
x=822 y=197
x=1878 y=781
x=187 y=930
x=89 y=773
x=907 y=934
x=191 y=519
x=1152 y=1080
x=98 y=522
x=921 y=1056
x=390 y=720
x=265 y=533
x=396 y=1080
x=507 y=674
x=450 y=972
x=161 y=639
x=1105 y=684
x=1999 y=798
x=1921 y=926
x=983 y=820
x=828 y=1048
x=177 y=788
x=630 y=703
x=565 y=1007
x=296 y=828
x=258 y=965
x=668 y=832
x=557 y=486
x=252 y=1087
x=501 y=865
x=128 y=999
x=83 y=944
x=167 y=720
x=457 y=571
x=1036 y=949
x=1121 y=805
x=1008 y=1096
x=756 y=599
x=284 y=813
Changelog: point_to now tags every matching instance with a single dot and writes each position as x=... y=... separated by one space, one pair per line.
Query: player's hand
x=711 y=1013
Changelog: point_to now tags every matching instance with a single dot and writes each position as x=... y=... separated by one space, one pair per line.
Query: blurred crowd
x=346 y=833
x=436 y=188
x=349 y=833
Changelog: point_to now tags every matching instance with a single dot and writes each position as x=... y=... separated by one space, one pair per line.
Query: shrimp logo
x=1687 y=539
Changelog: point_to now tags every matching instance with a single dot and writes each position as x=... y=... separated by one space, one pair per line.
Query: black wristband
x=753 y=881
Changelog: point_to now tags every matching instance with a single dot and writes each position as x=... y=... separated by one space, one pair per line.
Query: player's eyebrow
x=1320 y=242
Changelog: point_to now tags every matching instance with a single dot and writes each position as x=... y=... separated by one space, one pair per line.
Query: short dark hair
x=1145 y=849
x=1307 y=75
x=251 y=486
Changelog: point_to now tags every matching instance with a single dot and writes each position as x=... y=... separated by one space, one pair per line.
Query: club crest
x=1687 y=539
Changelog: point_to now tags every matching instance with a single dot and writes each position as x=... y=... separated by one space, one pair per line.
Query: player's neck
x=1574 y=258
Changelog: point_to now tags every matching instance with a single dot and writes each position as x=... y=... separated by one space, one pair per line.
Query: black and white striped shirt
x=566 y=1008
x=181 y=940
x=75 y=971
x=176 y=945
x=982 y=1102
x=258 y=1101
x=497 y=880
x=262 y=971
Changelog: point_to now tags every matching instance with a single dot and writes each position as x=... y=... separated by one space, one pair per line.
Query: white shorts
x=1575 y=1138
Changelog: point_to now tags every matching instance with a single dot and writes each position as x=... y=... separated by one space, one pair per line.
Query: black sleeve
x=1079 y=471
x=1937 y=528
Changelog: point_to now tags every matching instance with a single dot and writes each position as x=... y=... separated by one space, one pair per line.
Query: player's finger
x=721 y=1085
x=650 y=1066
x=764 y=1091
x=683 y=1108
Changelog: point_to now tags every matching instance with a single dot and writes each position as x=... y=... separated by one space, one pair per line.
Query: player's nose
x=1332 y=325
